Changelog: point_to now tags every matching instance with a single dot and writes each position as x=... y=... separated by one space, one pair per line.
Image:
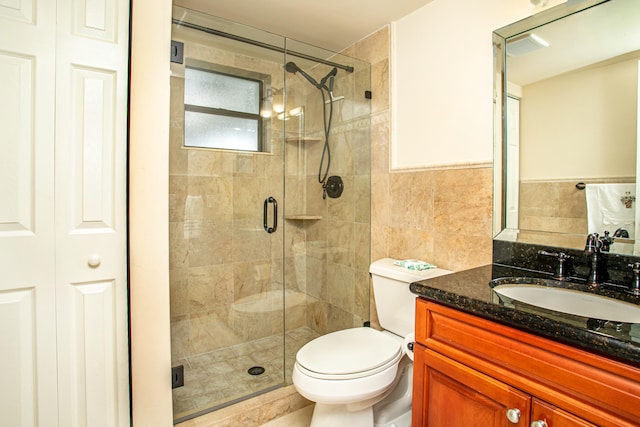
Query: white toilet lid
x=349 y=352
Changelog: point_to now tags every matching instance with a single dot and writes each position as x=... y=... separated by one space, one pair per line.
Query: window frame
x=235 y=73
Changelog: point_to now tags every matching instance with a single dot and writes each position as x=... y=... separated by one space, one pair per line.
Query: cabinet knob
x=538 y=423
x=513 y=415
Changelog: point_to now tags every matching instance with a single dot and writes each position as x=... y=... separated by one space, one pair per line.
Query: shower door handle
x=275 y=215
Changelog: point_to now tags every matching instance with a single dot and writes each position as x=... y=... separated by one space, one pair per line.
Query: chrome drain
x=256 y=370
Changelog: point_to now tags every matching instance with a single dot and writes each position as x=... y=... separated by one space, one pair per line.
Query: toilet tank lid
x=385 y=267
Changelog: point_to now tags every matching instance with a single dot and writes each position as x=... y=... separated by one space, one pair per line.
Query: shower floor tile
x=214 y=379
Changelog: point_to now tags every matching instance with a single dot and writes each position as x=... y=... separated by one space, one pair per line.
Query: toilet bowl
x=361 y=377
x=347 y=366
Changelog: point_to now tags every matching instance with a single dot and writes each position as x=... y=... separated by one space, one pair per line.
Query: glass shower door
x=253 y=276
x=226 y=243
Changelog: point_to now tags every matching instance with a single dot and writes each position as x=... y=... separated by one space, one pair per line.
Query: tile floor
x=216 y=378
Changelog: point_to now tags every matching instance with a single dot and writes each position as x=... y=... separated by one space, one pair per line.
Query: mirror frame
x=500 y=94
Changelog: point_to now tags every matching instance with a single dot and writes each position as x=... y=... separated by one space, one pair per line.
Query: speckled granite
x=614 y=268
x=470 y=291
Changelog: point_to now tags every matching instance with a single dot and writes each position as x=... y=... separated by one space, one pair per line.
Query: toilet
x=362 y=377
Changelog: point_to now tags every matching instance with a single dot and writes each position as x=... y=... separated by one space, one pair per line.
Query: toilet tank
x=395 y=303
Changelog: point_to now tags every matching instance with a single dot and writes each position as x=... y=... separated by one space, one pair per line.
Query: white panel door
x=63 y=288
x=28 y=390
x=90 y=177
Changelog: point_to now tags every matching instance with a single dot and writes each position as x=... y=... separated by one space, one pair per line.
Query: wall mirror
x=566 y=125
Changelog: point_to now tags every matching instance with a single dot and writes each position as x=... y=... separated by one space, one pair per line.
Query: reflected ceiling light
x=297 y=111
x=524 y=44
x=267 y=108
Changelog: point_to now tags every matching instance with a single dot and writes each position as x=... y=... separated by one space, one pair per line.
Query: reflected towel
x=193 y=214
x=606 y=208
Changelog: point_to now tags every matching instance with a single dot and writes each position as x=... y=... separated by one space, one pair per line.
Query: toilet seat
x=349 y=354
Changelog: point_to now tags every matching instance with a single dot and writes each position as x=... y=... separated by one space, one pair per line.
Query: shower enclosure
x=269 y=205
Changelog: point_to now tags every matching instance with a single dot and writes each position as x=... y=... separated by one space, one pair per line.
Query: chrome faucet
x=593 y=246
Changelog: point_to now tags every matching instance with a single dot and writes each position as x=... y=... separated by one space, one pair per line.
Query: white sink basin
x=572 y=302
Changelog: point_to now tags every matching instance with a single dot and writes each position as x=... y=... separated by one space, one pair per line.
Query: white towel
x=193 y=215
x=611 y=206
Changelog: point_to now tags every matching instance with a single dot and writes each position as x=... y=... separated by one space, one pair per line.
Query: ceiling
x=597 y=34
x=330 y=24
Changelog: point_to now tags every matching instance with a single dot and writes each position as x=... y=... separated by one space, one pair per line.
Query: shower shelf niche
x=303 y=139
x=302 y=217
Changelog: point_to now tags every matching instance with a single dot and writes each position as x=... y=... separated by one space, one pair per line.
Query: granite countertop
x=471 y=292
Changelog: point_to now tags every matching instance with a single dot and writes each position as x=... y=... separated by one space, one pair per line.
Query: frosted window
x=222 y=111
x=213 y=90
x=212 y=131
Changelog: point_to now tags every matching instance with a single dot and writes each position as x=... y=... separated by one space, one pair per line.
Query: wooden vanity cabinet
x=470 y=371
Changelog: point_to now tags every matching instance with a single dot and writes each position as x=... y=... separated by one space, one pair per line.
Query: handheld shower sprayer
x=330 y=76
x=333 y=185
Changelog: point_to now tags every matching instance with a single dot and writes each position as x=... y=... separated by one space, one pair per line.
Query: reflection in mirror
x=566 y=155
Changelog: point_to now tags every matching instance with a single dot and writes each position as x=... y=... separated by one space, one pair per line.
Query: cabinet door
x=449 y=394
x=554 y=417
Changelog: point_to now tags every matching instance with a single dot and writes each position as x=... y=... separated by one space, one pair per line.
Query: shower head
x=291 y=67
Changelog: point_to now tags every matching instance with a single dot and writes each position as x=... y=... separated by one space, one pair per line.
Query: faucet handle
x=559 y=255
x=606 y=242
x=561 y=273
x=634 y=288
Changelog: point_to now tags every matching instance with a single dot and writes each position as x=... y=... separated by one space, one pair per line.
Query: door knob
x=538 y=423
x=94 y=261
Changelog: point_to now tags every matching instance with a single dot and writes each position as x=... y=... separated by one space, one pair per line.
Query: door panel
x=17 y=331
x=91 y=80
x=20 y=10
x=94 y=336
x=63 y=293
x=17 y=111
x=27 y=269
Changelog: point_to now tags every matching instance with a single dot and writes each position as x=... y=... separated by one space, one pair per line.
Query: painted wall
x=594 y=109
x=442 y=81
x=148 y=218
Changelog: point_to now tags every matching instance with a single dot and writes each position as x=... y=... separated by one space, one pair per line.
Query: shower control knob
x=333 y=187
x=94 y=261
x=513 y=415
